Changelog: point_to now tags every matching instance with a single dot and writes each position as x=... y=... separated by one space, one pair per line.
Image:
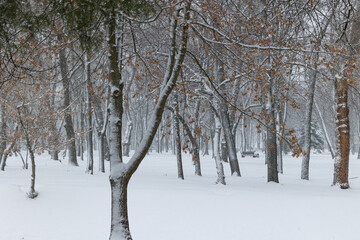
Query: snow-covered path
x=75 y=206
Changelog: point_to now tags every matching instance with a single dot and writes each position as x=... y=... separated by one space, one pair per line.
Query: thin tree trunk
x=32 y=193
x=358 y=156
x=219 y=165
x=178 y=139
x=279 y=119
x=2 y=132
x=102 y=153
x=82 y=129
x=128 y=133
x=308 y=114
x=195 y=147
x=90 y=145
x=206 y=145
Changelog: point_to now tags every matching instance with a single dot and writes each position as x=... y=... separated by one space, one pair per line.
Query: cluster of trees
x=191 y=75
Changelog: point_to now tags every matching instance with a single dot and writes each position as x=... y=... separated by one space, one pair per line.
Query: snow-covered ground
x=73 y=205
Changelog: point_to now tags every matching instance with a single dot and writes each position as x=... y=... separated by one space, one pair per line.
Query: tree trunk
x=82 y=129
x=341 y=170
x=7 y=151
x=32 y=193
x=223 y=150
x=127 y=138
x=230 y=141
x=178 y=139
x=195 y=148
x=89 y=92
x=2 y=132
x=279 y=142
x=219 y=165
x=206 y=145
x=120 y=229
x=271 y=149
x=223 y=110
x=101 y=152
x=308 y=115
x=69 y=128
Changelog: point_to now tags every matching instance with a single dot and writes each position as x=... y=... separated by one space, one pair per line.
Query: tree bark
x=178 y=139
x=69 y=128
x=2 y=132
x=128 y=133
x=119 y=213
x=341 y=170
x=308 y=115
x=90 y=145
x=219 y=165
x=271 y=148
x=195 y=148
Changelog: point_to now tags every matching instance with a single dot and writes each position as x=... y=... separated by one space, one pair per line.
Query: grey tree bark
x=271 y=144
x=308 y=115
x=225 y=122
x=2 y=132
x=178 y=139
x=89 y=110
x=69 y=128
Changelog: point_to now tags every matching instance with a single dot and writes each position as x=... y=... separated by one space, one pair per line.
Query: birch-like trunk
x=219 y=165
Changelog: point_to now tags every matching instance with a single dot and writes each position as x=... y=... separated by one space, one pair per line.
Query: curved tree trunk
x=120 y=173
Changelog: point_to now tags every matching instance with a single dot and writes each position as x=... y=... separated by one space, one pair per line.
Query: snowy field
x=75 y=206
